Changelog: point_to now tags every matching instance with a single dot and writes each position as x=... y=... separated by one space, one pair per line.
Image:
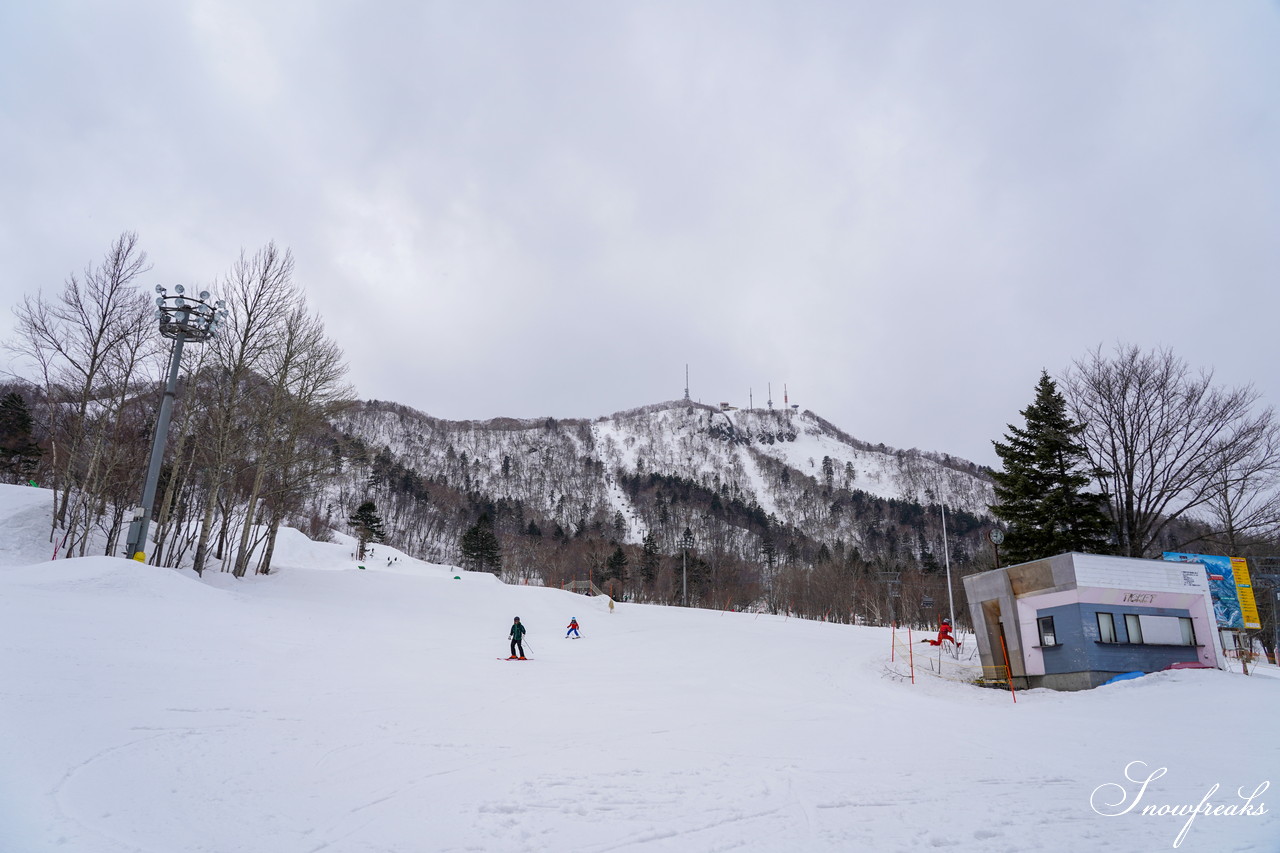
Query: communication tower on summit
x=770 y=396
x=686 y=383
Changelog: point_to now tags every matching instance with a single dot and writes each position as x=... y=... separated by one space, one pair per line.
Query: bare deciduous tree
x=305 y=371
x=259 y=293
x=1164 y=440
x=91 y=346
x=1244 y=500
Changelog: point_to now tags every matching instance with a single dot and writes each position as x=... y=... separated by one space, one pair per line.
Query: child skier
x=573 y=628
x=944 y=635
x=517 y=634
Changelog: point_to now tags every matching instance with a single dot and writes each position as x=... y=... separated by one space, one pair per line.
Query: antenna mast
x=686 y=383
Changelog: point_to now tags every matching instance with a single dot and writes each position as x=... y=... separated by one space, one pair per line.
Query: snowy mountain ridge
x=793 y=465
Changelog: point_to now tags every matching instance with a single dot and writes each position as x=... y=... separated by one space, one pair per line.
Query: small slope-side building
x=1074 y=621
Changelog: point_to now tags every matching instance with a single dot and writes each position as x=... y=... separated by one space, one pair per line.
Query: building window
x=1047 y=635
x=1166 y=630
x=1106 y=628
x=1134 y=627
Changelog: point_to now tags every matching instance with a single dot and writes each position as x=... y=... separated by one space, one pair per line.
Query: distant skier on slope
x=573 y=628
x=517 y=635
x=944 y=635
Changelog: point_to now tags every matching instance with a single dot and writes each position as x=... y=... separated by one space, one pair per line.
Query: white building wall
x=1097 y=570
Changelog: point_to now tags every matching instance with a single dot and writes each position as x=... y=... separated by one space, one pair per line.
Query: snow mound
x=25 y=521
x=110 y=577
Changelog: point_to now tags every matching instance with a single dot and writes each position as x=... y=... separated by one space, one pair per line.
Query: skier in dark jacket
x=517 y=634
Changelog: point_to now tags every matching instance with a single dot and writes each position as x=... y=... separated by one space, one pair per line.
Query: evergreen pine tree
x=649 y=559
x=368 y=526
x=1040 y=493
x=928 y=560
x=19 y=453
x=699 y=578
x=616 y=565
x=770 y=550
x=480 y=548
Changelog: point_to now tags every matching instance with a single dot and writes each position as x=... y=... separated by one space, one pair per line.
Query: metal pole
x=946 y=556
x=1275 y=626
x=911 y=655
x=138 y=529
x=684 y=577
x=686 y=542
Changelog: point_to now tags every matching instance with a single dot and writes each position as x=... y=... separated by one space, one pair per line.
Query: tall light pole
x=182 y=318
x=946 y=557
x=946 y=550
x=686 y=542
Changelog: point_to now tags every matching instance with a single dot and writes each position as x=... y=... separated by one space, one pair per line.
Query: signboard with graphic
x=1244 y=588
x=1229 y=586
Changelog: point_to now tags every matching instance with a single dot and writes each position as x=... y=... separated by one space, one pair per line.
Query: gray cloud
x=902 y=211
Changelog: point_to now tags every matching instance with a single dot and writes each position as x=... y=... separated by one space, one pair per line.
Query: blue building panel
x=1071 y=654
x=1080 y=647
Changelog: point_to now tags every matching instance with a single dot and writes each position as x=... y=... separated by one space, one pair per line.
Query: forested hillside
x=770 y=505
x=670 y=502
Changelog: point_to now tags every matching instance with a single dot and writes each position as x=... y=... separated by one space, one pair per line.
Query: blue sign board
x=1222 y=586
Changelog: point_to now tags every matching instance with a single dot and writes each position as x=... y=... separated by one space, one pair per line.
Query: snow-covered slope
x=329 y=708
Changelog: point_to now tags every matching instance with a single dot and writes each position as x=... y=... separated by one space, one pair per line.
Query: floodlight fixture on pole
x=182 y=318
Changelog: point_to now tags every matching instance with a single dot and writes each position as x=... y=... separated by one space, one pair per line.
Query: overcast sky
x=901 y=211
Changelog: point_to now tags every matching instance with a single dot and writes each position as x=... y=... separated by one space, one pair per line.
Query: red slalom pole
x=911 y=651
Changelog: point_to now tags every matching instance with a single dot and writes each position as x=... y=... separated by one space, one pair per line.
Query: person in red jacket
x=944 y=635
x=573 y=629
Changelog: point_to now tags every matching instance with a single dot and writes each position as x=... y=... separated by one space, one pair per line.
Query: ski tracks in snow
x=620 y=812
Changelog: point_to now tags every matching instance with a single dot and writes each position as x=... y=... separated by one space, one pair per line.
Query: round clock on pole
x=996 y=535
